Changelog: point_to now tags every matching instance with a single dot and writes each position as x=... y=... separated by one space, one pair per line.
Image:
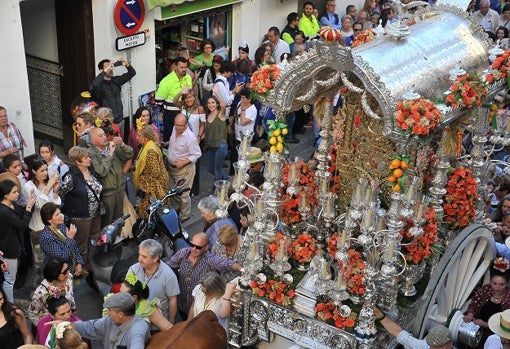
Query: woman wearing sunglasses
x=213 y=294
x=57 y=282
x=193 y=264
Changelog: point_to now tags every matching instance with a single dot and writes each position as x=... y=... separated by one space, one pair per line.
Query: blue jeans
x=215 y=158
x=10 y=278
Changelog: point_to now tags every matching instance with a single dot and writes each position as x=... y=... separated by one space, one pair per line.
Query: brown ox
x=202 y=332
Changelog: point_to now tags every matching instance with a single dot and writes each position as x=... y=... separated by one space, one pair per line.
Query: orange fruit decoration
x=396 y=163
x=397 y=173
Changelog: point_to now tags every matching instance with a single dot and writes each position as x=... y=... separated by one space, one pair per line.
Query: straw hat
x=255 y=155
x=499 y=323
x=12 y=177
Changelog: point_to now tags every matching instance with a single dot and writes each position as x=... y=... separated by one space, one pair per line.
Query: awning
x=177 y=8
x=162 y=3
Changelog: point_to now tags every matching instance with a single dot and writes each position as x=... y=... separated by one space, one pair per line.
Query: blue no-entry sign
x=129 y=15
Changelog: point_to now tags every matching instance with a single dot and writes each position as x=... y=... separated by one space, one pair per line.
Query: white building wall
x=14 y=93
x=252 y=18
x=143 y=58
x=342 y=4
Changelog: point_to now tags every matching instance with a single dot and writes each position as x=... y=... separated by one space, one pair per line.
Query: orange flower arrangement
x=304 y=248
x=274 y=245
x=262 y=80
x=365 y=36
x=332 y=246
x=460 y=200
x=420 y=248
x=354 y=272
x=274 y=290
x=417 y=116
x=291 y=214
x=328 y=312
x=467 y=90
x=499 y=68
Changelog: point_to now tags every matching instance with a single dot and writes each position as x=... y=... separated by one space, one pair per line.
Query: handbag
x=102 y=207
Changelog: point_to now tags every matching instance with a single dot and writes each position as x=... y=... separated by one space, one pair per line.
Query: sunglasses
x=64 y=272
x=192 y=245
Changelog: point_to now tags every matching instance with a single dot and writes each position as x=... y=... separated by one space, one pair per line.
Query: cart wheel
x=462 y=266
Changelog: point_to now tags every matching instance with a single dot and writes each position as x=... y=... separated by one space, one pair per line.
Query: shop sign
x=130 y=41
x=129 y=15
x=187 y=8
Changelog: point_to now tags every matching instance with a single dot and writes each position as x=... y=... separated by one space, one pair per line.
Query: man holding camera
x=106 y=88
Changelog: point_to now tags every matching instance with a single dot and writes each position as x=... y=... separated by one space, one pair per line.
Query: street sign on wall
x=130 y=41
x=129 y=15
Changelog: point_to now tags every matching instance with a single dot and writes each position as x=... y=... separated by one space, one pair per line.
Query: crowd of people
x=50 y=210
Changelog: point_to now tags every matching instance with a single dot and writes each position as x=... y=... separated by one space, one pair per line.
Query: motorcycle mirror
x=152 y=200
x=180 y=183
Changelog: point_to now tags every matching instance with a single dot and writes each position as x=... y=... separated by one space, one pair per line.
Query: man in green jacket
x=107 y=158
x=308 y=22
x=178 y=80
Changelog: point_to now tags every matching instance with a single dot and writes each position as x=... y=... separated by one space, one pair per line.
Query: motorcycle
x=162 y=223
x=109 y=256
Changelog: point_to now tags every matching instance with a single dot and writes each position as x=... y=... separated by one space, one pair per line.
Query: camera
x=117 y=64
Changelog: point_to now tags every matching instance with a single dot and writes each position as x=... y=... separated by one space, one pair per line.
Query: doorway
x=59 y=46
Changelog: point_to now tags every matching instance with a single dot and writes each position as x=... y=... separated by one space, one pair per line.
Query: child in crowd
x=55 y=165
x=12 y=164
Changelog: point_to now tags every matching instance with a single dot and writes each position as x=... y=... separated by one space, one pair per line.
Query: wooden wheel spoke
x=461 y=267
x=472 y=271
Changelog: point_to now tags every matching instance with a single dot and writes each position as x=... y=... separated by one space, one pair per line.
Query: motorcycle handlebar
x=172 y=192
x=176 y=191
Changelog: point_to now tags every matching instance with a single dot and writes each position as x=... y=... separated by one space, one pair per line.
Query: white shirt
x=58 y=166
x=214 y=305
x=250 y=113
x=489 y=22
x=194 y=121
x=410 y=342
x=223 y=90
x=493 y=342
x=183 y=147
x=36 y=222
x=280 y=48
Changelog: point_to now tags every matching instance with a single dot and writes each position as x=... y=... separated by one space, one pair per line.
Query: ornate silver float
x=420 y=57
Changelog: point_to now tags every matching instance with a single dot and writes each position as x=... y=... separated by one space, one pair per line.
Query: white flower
x=61 y=328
